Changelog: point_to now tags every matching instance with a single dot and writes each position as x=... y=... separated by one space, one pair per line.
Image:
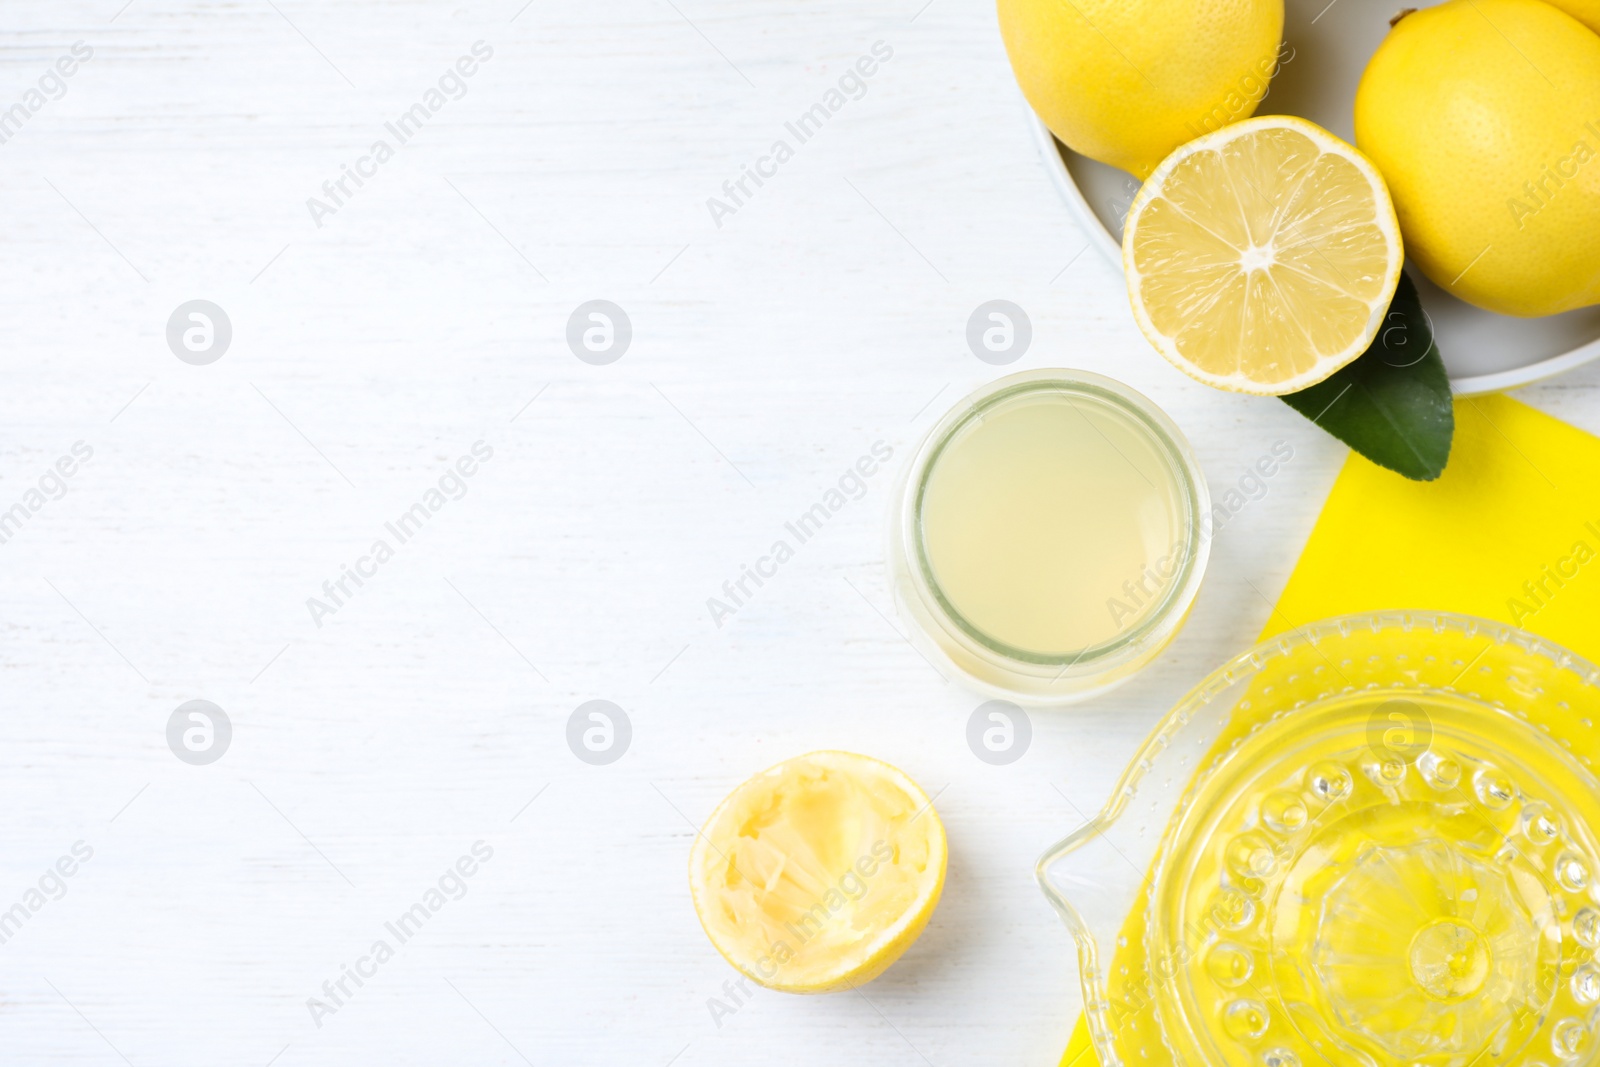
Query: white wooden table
x=428 y=712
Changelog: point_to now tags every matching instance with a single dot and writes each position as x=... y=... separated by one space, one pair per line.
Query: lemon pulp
x=1262 y=258
x=817 y=873
x=1340 y=893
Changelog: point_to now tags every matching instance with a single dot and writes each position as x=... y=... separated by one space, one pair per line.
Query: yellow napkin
x=1510 y=532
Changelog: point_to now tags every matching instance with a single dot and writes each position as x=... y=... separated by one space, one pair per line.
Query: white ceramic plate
x=1326 y=47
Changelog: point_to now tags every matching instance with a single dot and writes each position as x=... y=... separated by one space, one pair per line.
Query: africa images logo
x=341 y=590
x=852 y=85
x=407 y=125
x=451 y=885
x=52 y=85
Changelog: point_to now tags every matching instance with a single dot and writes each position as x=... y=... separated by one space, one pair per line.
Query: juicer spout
x=1092 y=880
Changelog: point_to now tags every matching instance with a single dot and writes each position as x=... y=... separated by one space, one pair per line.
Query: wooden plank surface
x=427 y=313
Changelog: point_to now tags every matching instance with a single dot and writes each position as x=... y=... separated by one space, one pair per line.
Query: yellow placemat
x=1510 y=532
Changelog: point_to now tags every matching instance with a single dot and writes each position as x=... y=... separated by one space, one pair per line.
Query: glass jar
x=1048 y=536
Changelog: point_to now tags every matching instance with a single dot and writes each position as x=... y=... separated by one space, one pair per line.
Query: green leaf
x=1392 y=404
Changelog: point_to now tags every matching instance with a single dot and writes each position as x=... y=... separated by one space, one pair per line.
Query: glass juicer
x=1371 y=840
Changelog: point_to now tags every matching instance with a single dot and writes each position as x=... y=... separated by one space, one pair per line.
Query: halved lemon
x=1262 y=257
x=815 y=875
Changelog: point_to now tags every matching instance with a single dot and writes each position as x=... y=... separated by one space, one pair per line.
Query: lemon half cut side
x=1262 y=257
x=817 y=874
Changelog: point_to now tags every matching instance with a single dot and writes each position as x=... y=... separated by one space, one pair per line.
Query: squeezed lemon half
x=817 y=874
x=1262 y=258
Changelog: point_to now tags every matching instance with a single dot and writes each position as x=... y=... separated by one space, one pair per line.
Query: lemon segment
x=817 y=874
x=1262 y=258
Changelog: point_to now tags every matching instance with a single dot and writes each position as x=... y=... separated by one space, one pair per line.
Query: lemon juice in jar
x=1049 y=540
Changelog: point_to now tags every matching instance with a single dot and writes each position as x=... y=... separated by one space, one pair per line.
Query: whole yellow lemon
x=1127 y=81
x=1585 y=11
x=1484 y=118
